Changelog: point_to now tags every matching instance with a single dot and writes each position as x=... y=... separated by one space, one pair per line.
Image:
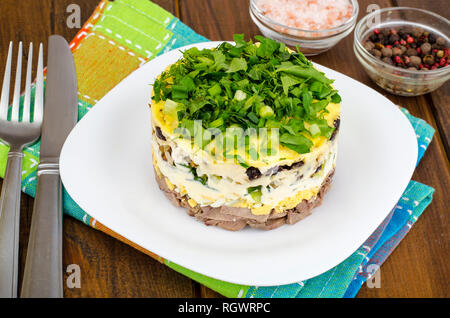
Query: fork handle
x=9 y=225
x=43 y=268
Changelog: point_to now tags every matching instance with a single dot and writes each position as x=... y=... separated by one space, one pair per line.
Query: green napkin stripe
x=124 y=25
x=224 y=288
x=149 y=10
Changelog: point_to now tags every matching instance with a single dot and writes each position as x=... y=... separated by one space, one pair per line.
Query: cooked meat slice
x=161 y=183
x=244 y=213
x=230 y=226
x=173 y=198
x=277 y=215
x=210 y=213
x=294 y=216
x=269 y=225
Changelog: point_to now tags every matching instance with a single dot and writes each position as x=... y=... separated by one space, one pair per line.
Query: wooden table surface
x=109 y=268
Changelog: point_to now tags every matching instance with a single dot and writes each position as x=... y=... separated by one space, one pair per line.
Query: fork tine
x=4 y=100
x=16 y=97
x=39 y=94
x=26 y=103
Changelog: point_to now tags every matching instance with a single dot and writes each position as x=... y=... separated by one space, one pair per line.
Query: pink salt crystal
x=307 y=14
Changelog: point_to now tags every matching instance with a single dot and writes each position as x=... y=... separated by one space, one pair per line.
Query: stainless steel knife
x=43 y=276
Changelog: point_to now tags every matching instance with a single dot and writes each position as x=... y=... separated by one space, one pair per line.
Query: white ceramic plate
x=106 y=167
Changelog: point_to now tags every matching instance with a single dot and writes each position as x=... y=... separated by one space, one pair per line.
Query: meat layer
x=235 y=218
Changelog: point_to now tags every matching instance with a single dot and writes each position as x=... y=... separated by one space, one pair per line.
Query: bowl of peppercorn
x=406 y=51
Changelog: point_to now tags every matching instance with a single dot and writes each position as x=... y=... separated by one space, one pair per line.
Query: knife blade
x=43 y=274
x=60 y=112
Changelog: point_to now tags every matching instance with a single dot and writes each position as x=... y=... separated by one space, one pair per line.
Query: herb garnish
x=249 y=86
x=193 y=170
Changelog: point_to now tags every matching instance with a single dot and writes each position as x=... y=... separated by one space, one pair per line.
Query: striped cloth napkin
x=122 y=35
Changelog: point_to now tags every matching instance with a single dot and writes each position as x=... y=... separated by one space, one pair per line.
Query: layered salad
x=244 y=134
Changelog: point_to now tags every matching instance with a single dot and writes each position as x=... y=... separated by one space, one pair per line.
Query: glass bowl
x=394 y=79
x=311 y=42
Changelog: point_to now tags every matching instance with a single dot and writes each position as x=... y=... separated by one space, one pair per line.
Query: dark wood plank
x=440 y=106
x=218 y=20
x=109 y=268
x=417 y=268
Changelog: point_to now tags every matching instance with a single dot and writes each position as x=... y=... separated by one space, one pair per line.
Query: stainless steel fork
x=17 y=134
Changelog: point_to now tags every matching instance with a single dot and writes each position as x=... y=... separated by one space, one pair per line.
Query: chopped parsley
x=250 y=85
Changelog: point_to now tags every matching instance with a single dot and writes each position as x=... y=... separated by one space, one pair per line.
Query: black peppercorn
x=393 y=38
x=411 y=52
x=431 y=38
x=387 y=60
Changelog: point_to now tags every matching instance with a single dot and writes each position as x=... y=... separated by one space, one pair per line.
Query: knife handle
x=9 y=226
x=43 y=275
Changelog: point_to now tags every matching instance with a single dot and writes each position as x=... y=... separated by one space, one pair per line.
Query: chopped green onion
x=216 y=123
x=240 y=95
x=314 y=130
x=266 y=111
x=170 y=108
x=255 y=193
